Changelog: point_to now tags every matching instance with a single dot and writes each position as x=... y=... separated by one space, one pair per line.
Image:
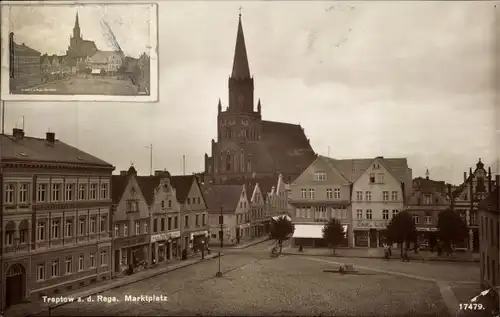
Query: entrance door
x=117 y=261
x=373 y=238
x=15 y=283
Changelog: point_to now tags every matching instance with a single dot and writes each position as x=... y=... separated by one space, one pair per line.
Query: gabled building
x=256 y=210
x=105 y=62
x=228 y=208
x=164 y=195
x=24 y=64
x=55 y=220
x=131 y=222
x=475 y=188
x=247 y=146
x=427 y=200
x=489 y=237
x=320 y=193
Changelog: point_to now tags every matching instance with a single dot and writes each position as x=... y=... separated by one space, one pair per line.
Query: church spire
x=76 y=28
x=240 y=62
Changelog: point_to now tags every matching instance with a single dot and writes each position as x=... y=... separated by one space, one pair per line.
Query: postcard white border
x=4 y=72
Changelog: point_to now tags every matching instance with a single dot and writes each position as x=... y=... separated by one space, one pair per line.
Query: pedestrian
x=300 y=248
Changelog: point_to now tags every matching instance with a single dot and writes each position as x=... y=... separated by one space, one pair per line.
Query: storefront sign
x=134 y=241
x=427 y=229
x=199 y=233
x=371 y=224
x=165 y=236
x=246 y=225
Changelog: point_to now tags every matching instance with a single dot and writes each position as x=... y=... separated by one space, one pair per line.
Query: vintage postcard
x=79 y=52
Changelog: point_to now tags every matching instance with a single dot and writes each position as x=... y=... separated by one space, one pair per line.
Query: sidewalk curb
x=247 y=245
x=95 y=292
x=381 y=257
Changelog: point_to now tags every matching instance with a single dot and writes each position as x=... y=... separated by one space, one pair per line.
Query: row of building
x=67 y=221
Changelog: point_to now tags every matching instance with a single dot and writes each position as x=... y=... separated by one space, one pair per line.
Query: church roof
x=85 y=49
x=240 y=61
x=227 y=196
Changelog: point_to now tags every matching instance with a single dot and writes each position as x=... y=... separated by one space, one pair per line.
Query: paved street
x=86 y=86
x=255 y=283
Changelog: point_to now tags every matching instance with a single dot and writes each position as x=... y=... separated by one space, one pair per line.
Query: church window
x=249 y=165
x=235 y=157
x=228 y=161
x=242 y=161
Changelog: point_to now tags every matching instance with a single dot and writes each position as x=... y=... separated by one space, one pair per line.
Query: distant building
x=475 y=188
x=25 y=68
x=54 y=67
x=55 y=217
x=79 y=49
x=105 y=62
x=427 y=200
x=144 y=73
x=246 y=145
x=489 y=237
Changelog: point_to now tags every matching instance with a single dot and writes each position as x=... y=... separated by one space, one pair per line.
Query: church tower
x=76 y=29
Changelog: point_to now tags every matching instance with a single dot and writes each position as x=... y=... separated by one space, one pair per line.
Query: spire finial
x=239 y=15
x=427 y=173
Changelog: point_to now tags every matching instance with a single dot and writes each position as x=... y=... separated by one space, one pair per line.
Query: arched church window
x=242 y=160
x=249 y=165
x=236 y=165
x=228 y=161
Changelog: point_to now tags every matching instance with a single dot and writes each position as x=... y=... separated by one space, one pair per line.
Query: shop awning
x=308 y=231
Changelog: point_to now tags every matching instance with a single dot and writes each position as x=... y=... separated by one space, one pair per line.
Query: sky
x=364 y=79
x=48 y=28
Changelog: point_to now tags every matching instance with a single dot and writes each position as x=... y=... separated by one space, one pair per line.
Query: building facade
x=55 y=218
x=131 y=222
x=427 y=200
x=378 y=194
x=105 y=62
x=228 y=209
x=24 y=63
x=319 y=194
x=247 y=146
x=489 y=236
x=54 y=67
x=256 y=212
x=466 y=197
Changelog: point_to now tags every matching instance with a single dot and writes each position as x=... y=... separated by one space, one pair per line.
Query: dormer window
x=320 y=176
x=132 y=192
x=372 y=178
x=376 y=166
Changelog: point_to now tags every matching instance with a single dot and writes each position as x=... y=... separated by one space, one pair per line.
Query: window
x=376 y=166
x=188 y=200
x=369 y=214
x=427 y=199
x=368 y=196
x=198 y=200
x=359 y=214
x=9 y=194
x=93 y=224
x=55 y=229
x=155 y=225
x=359 y=195
x=162 y=204
x=117 y=230
x=68 y=227
x=104 y=191
x=23 y=235
x=146 y=227
x=416 y=219
x=337 y=193
x=56 y=192
x=428 y=220
x=93 y=191
x=104 y=260
x=162 y=224
x=385 y=195
x=385 y=214
x=23 y=194
x=40 y=272
x=303 y=193
x=372 y=178
x=68 y=264
x=169 y=204
x=319 y=176
x=9 y=237
x=311 y=193
x=138 y=228
x=329 y=193
x=169 y=223
x=92 y=259
x=380 y=178
x=80 y=262
x=186 y=221
x=197 y=220
x=132 y=206
x=40 y=231
x=82 y=191
x=176 y=222
x=203 y=219
x=41 y=193
x=394 y=213
x=55 y=268
x=125 y=230
x=81 y=227
x=104 y=223
x=70 y=188
x=394 y=195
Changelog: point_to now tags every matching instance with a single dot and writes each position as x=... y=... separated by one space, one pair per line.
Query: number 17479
x=471 y=306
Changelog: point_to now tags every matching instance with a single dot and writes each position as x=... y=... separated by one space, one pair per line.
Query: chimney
x=123 y=173
x=50 y=137
x=18 y=133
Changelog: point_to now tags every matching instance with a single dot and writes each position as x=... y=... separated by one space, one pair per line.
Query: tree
x=282 y=229
x=401 y=229
x=452 y=229
x=333 y=233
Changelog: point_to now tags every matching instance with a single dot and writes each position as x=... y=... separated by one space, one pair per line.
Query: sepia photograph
x=304 y=158
x=88 y=51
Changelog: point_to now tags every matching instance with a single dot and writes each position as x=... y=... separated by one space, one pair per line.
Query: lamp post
x=203 y=249
x=221 y=223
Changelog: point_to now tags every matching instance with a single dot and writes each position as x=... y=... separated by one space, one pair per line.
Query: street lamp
x=203 y=249
x=221 y=223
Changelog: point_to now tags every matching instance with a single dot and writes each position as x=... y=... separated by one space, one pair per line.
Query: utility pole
x=150 y=147
x=221 y=222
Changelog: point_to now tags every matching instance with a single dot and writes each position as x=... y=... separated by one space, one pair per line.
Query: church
x=79 y=49
x=248 y=147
